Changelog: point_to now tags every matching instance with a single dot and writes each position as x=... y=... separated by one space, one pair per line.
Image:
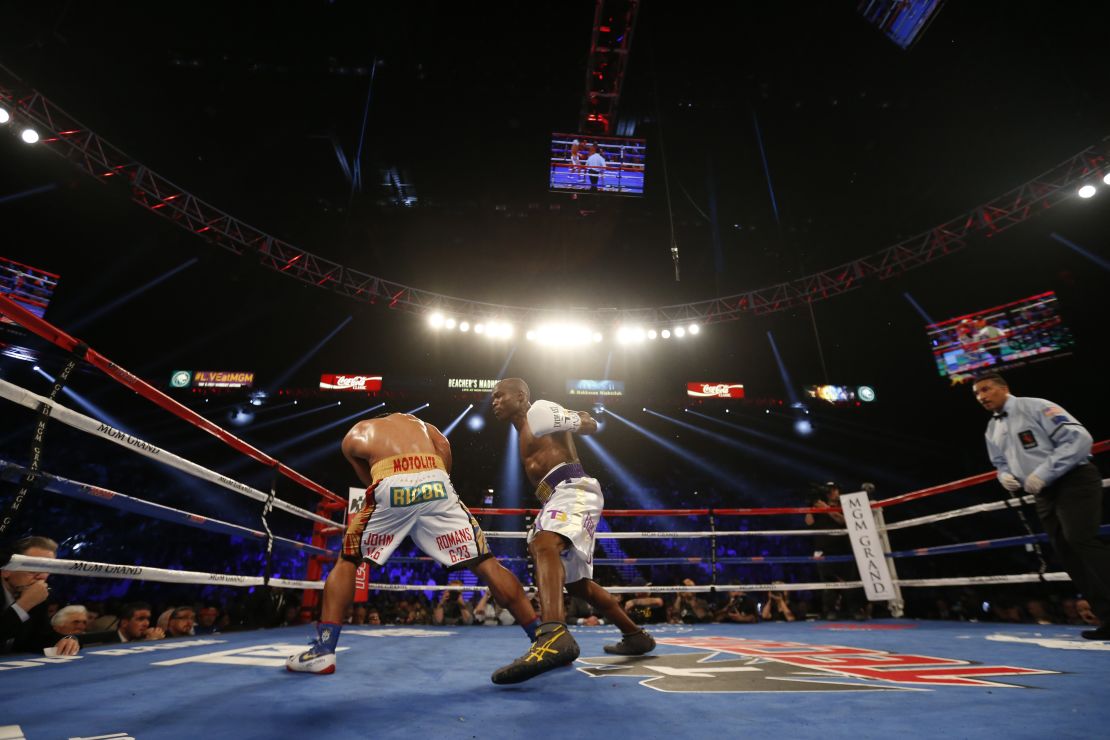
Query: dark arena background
x=231 y=230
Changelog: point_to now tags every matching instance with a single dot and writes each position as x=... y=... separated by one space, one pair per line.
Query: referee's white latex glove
x=1009 y=482
x=1033 y=484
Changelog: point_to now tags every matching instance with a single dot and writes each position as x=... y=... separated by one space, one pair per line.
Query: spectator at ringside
x=70 y=620
x=488 y=612
x=643 y=608
x=776 y=609
x=1083 y=609
x=134 y=623
x=580 y=612
x=452 y=607
x=688 y=607
x=738 y=608
x=181 y=622
x=24 y=626
x=207 y=619
x=373 y=616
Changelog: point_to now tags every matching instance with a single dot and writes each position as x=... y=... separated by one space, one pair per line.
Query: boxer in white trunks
x=562 y=538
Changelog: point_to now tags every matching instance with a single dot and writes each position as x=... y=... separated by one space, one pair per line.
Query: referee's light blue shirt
x=1032 y=436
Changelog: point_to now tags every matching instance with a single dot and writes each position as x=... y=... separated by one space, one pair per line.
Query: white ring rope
x=502 y=535
x=146 y=573
x=89 y=425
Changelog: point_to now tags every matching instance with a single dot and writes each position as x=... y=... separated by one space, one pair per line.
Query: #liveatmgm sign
x=364 y=383
x=211 y=379
x=715 y=390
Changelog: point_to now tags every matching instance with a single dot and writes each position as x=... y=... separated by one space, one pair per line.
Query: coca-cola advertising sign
x=715 y=390
x=362 y=383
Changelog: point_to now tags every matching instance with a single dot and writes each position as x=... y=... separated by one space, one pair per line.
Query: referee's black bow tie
x=1001 y=415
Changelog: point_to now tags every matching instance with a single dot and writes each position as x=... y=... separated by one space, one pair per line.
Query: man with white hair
x=70 y=620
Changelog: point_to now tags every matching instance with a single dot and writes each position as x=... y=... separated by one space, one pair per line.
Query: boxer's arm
x=589 y=423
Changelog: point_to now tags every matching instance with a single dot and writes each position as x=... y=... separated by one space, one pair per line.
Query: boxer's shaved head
x=513 y=385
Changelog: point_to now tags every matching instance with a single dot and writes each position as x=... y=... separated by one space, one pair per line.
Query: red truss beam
x=67 y=137
x=614 y=22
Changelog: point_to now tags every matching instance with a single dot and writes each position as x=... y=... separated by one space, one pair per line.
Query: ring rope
x=146 y=573
x=105 y=497
x=87 y=424
x=56 y=336
x=505 y=535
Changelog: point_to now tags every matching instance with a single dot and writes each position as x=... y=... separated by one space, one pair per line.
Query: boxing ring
x=806 y=678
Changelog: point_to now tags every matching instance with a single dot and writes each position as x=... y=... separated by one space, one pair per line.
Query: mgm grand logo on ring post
x=767 y=665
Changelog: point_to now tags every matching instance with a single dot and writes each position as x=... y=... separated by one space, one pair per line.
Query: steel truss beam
x=66 y=136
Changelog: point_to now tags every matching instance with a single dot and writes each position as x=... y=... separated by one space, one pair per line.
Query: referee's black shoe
x=1102 y=633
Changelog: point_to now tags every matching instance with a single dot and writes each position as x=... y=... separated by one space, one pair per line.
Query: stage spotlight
x=530 y=335
x=679 y=332
x=803 y=427
x=1106 y=178
x=4 y=115
x=1087 y=191
x=29 y=135
x=464 y=326
x=666 y=333
x=240 y=416
x=694 y=329
x=622 y=335
x=436 y=320
x=597 y=337
x=479 y=328
x=476 y=423
x=652 y=334
x=258 y=398
x=449 y=323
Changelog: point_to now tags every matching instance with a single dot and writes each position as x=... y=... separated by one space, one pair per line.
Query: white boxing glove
x=1034 y=484
x=547 y=417
x=1009 y=482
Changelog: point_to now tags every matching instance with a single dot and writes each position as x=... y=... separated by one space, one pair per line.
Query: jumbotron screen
x=901 y=21
x=1004 y=336
x=28 y=286
x=597 y=164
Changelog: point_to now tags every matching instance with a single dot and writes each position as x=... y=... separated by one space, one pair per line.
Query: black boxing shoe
x=1102 y=633
x=554 y=647
x=636 y=643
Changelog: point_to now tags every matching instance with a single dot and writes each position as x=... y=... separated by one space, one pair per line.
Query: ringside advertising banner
x=472 y=385
x=715 y=390
x=578 y=387
x=362 y=383
x=222 y=379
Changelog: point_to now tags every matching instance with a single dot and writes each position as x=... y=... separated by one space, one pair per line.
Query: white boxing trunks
x=413 y=496
x=572 y=505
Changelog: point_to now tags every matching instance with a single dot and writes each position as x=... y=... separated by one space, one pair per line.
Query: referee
x=1039 y=447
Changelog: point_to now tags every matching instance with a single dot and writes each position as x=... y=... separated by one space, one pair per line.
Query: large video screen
x=28 y=286
x=901 y=21
x=597 y=164
x=1004 y=336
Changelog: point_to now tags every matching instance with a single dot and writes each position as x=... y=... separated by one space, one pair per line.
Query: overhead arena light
x=449 y=323
x=666 y=334
x=679 y=332
x=631 y=335
x=1087 y=191
x=436 y=320
x=464 y=326
x=29 y=135
x=479 y=328
x=4 y=115
x=556 y=335
x=1106 y=178
x=694 y=329
x=652 y=334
